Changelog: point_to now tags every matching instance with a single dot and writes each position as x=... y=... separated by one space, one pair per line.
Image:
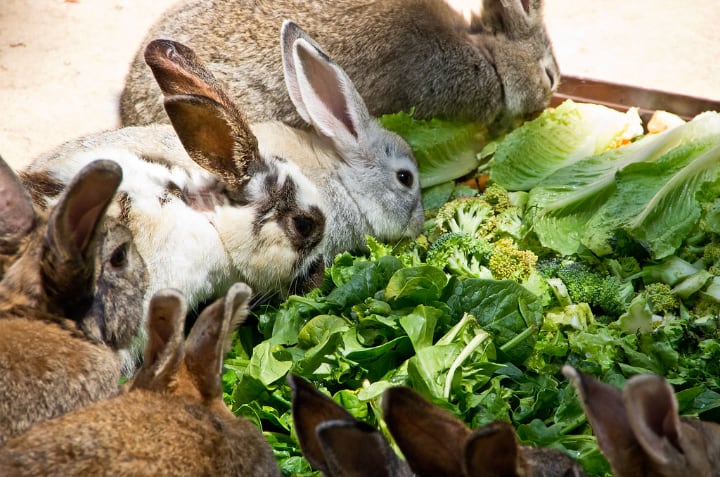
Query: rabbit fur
x=205 y=206
x=436 y=443
x=640 y=431
x=400 y=54
x=70 y=297
x=171 y=421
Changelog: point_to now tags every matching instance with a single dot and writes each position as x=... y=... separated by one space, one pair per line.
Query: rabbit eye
x=119 y=257
x=304 y=225
x=405 y=177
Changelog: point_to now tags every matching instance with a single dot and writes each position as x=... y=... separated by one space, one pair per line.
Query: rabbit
x=640 y=432
x=436 y=443
x=70 y=298
x=367 y=175
x=206 y=206
x=495 y=68
x=171 y=421
x=336 y=443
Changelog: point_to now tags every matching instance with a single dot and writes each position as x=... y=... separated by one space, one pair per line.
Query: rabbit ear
x=164 y=349
x=67 y=259
x=208 y=340
x=430 y=438
x=492 y=451
x=652 y=410
x=608 y=417
x=17 y=216
x=213 y=131
x=514 y=18
x=310 y=408
x=356 y=449
x=289 y=33
x=323 y=94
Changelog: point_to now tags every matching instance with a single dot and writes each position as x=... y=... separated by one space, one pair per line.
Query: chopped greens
x=480 y=312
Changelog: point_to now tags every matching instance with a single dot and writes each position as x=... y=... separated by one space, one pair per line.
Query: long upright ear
x=164 y=349
x=431 y=438
x=214 y=131
x=492 y=451
x=653 y=414
x=322 y=92
x=310 y=408
x=608 y=417
x=67 y=258
x=17 y=216
x=208 y=340
x=356 y=449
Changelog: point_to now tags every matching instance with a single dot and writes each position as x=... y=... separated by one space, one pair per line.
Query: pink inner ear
x=327 y=87
x=526 y=6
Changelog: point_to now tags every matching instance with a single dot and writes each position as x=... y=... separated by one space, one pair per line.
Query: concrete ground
x=62 y=62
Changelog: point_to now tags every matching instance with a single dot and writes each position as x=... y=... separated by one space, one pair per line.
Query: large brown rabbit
x=70 y=297
x=172 y=421
x=436 y=443
x=640 y=432
x=399 y=54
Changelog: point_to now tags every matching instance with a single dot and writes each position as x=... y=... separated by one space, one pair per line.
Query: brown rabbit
x=640 y=432
x=70 y=297
x=172 y=421
x=336 y=443
x=436 y=443
x=400 y=54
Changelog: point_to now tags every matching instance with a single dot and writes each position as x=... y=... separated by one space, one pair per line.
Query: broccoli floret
x=509 y=262
x=462 y=254
x=601 y=291
x=496 y=196
x=711 y=258
x=661 y=299
x=470 y=215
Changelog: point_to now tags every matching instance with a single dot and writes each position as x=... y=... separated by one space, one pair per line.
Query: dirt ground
x=62 y=63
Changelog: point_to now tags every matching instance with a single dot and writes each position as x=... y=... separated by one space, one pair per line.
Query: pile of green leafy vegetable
x=481 y=311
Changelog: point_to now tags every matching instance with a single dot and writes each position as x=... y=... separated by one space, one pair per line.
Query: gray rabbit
x=172 y=420
x=400 y=54
x=71 y=296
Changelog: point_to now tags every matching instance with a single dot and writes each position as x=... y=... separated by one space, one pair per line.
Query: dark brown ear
x=653 y=414
x=492 y=451
x=215 y=133
x=17 y=216
x=207 y=342
x=164 y=350
x=356 y=449
x=431 y=439
x=608 y=417
x=310 y=408
x=67 y=259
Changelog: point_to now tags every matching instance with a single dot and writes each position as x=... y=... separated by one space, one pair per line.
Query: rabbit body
x=400 y=54
x=70 y=298
x=171 y=421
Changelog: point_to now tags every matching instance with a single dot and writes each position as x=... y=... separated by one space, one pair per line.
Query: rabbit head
x=639 y=430
x=512 y=36
x=367 y=174
x=171 y=421
x=75 y=263
x=436 y=443
x=336 y=443
x=70 y=297
x=271 y=220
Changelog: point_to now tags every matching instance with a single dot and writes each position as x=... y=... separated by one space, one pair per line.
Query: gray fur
x=399 y=54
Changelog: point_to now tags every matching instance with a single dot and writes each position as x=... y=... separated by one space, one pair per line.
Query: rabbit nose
x=309 y=227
